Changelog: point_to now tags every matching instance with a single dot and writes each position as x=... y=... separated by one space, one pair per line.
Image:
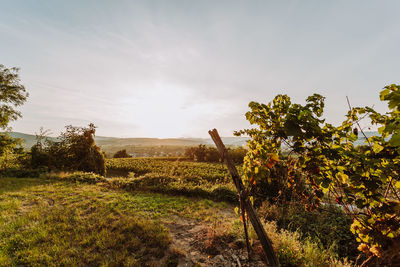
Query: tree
x=12 y=95
x=237 y=154
x=202 y=153
x=11 y=152
x=363 y=180
x=122 y=154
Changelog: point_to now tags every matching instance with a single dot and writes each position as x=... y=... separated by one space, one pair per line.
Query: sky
x=179 y=68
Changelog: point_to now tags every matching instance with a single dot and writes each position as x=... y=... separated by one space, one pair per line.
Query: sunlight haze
x=179 y=68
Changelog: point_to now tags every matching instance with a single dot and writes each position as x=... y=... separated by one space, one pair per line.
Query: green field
x=174 y=176
x=162 y=212
x=211 y=172
x=51 y=222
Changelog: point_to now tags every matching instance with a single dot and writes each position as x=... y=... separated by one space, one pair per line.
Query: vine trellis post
x=245 y=202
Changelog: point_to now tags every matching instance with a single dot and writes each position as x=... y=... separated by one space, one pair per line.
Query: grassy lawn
x=47 y=222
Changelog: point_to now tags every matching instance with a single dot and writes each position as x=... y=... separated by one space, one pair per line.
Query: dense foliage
x=323 y=163
x=12 y=95
x=144 y=149
x=75 y=150
x=203 y=153
x=12 y=154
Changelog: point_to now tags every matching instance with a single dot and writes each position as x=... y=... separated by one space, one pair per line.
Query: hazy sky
x=179 y=68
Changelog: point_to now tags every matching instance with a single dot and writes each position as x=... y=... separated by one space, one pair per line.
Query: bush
x=203 y=153
x=76 y=151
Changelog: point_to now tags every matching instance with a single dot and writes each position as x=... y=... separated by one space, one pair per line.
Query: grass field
x=210 y=172
x=173 y=176
x=46 y=221
x=163 y=213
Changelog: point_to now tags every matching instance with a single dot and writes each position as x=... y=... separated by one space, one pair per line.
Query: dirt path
x=198 y=244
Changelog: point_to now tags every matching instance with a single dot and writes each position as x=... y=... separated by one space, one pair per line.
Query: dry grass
x=292 y=251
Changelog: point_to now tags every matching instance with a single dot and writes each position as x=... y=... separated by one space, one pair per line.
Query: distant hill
x=113 y=143
x=106 y=141
x=29 y=139
x=103 y=141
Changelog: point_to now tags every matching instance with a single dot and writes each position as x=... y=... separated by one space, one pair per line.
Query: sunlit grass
x=83 y=220
x=43 y=222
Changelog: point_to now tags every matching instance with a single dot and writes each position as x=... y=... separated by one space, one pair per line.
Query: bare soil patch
x=198 y=244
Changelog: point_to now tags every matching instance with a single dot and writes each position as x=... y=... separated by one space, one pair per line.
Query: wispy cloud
x=152 y=68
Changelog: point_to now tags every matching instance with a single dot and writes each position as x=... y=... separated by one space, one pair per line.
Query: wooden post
x=255 y=221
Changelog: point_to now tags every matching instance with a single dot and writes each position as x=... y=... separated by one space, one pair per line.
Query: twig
x=237 y=260
x=367 y=261
x=358 y=124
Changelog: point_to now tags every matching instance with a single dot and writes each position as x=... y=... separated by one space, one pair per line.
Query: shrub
x=204 y=153
x=76 y=151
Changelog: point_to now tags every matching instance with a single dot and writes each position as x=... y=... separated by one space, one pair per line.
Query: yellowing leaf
x=377 y=148
x=236 y=210
x=397 y=184
x=342 y=177
x=390 y=235
x=275 y=157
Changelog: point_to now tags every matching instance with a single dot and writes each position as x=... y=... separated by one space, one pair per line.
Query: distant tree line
x=145 y=151
x=122 y=154
x=203 y=153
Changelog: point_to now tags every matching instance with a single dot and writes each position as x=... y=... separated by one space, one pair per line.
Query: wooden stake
x=244 y=220
x=255 y=221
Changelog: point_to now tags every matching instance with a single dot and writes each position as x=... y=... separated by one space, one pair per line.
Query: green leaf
x=342 y=177
x=395 y=140
x=325 y=182
x=359 y=203
x=377 y=148
x=384 y=93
